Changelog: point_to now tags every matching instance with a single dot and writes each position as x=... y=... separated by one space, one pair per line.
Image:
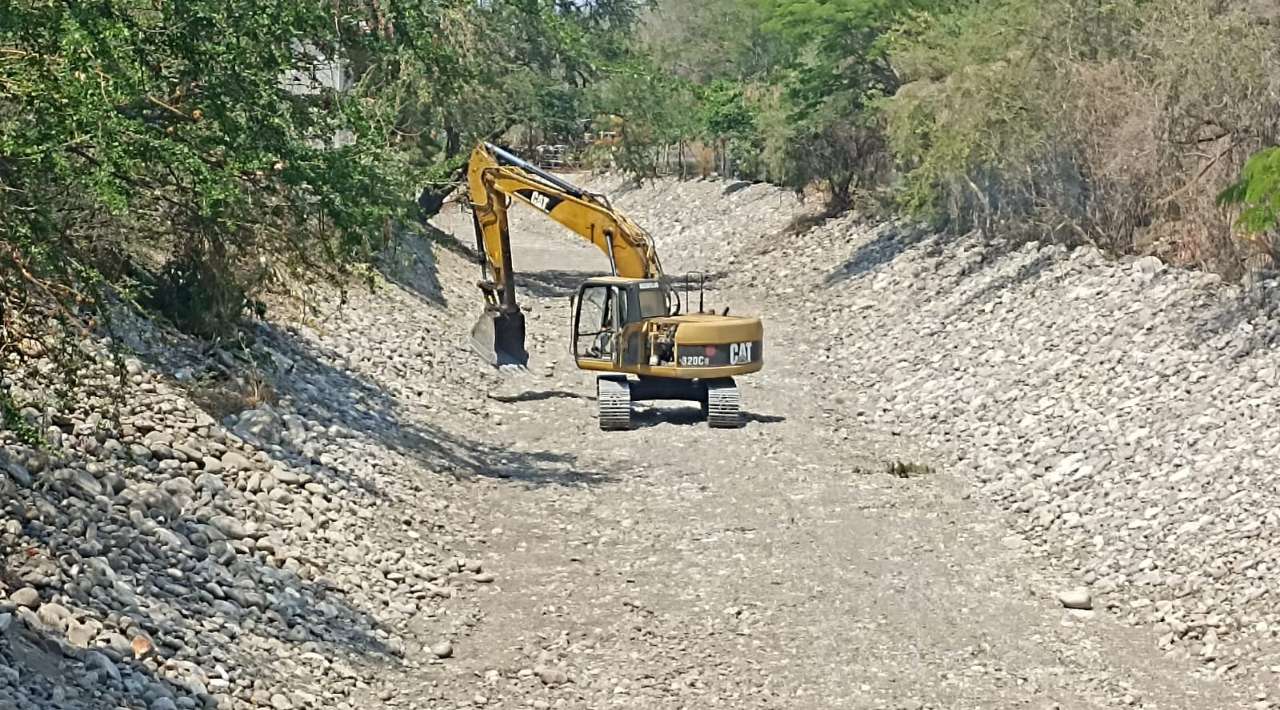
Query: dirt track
x=777 y=566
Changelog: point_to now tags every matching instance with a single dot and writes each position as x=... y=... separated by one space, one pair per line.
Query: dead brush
x=223 y=396
x=232 y=388
x=907 y=469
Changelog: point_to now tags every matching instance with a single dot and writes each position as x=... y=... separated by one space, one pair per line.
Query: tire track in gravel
x=777 y=566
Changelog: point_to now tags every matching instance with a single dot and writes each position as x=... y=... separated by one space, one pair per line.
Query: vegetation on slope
x=1116 y=123
x=188 y=155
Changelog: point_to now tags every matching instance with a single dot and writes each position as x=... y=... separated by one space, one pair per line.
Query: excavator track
x=724 y=406
x=614 y=399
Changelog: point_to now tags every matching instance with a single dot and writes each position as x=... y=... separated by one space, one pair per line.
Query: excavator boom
x=495 y=177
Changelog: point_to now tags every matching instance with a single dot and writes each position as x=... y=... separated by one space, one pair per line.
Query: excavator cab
x=609 y=319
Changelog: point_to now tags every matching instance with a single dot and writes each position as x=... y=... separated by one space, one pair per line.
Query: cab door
x=595 y=324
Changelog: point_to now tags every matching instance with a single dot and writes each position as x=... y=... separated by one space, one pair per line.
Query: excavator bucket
x=499 y=339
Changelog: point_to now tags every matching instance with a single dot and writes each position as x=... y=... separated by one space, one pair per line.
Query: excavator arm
x=496 y=178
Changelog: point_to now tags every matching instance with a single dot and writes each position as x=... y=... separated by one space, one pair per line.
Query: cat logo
x=740 y=353
x=540 y=201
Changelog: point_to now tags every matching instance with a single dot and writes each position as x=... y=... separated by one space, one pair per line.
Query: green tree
x=192 y=155
x=171 y=131
x=728 y=120
x=835 y=69
x=173 y=124
x=709 y=40
x=654 y=111
x=1257 y=192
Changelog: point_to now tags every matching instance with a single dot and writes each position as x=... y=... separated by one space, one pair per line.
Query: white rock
x=1078 y=598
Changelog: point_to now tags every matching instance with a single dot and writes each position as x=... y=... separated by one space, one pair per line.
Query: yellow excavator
x=631 y=326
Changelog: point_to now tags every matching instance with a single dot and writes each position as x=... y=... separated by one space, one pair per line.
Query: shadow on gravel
x=563 y=284
x=648 y=417
x=300 y=372
x=1033 y=270
x=552 y=283
x=891 y=242
x=453 y=243
x=410 y=262
x=690 y=282
x=161 y=570
x=412 y=266
x=538 y=396
x=537 y=468
x=1237 y=319
x=335 y=396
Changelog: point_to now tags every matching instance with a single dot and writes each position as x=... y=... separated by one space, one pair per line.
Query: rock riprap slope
x=292 y=542
x=1119 y=410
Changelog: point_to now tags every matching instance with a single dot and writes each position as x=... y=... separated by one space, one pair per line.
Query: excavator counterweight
x=630 y=326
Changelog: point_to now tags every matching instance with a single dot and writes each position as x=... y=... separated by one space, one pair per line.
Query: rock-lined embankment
x=1120 y=410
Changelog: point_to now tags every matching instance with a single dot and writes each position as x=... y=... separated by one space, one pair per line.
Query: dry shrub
x=1117 y=126
x=231 y=395
x=704 y=158
x=1216 y=70
x=1114 y=129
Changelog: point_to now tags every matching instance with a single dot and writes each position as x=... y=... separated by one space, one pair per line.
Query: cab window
x=594 y=336
x=653 y=302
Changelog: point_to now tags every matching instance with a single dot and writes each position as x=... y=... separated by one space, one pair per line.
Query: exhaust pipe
x=499 y=338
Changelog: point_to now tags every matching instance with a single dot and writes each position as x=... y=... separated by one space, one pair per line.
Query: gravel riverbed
x=972 y=476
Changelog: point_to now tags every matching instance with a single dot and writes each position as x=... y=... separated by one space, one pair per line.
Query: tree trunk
x=452 y=141
x=841 y=199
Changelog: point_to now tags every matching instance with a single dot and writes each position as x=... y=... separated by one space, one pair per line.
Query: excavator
x=631 y=326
